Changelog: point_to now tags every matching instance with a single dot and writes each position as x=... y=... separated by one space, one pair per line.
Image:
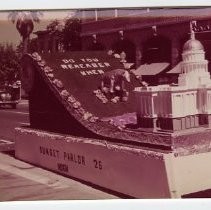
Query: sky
x=9 y=34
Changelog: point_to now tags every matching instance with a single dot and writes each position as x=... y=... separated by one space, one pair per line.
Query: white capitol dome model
x=188 y=105
x=194 y=67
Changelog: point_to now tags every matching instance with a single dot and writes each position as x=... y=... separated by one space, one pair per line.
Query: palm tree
x=25 y=24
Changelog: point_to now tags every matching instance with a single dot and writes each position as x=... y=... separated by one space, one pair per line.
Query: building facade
x=145 y=35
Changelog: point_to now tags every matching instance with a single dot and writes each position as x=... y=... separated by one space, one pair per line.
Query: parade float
x=153 y=144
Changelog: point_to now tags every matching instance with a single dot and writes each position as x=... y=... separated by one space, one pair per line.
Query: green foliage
x=67 y=32
x=71 y=33
x=25 y=24
x=9 y=63
x=24 y=21
x=23 y=15
x=54 y=26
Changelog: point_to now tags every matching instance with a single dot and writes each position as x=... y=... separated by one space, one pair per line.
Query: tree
x=55 y=25
x=9 y=63
x=25 y=24
x=55 y=32
x=72 y=34
x=67 y=32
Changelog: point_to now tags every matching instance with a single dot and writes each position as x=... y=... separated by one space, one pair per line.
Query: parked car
x=10 y=94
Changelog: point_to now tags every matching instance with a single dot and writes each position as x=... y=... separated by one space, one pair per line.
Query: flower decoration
x=71 y=99
x=50 y=76
x=117 y=56
x=48 y=69
x=58 y=83
x=110 y=52
x=36 y=56
x=128 y=65
x=115 y=99
x=123 y=57
x=100 y=96
x=76 y=105
x=93 y=119
x=96 y=91
x=121 y=127
x=65 y=94
x=111 y=121
x=41 y=63
x=87 y=115
x=81 y=111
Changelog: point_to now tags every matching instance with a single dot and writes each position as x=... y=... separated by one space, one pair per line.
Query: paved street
x=22 y=181
x=11 y=118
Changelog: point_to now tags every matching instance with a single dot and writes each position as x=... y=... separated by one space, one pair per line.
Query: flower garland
x=65 y=95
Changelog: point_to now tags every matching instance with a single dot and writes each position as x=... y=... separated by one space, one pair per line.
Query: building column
x=153 y=105
x=138 y=55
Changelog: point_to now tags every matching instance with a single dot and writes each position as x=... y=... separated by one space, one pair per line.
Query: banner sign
x=87 y=63
x=81 y=74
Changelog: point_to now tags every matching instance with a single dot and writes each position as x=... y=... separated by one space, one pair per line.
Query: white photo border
x=137 y=204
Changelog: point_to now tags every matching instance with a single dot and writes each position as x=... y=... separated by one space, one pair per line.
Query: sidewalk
x=21 y=181
x=24 y=101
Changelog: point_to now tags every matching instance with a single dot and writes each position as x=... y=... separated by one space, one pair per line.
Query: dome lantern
x=192 y=44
